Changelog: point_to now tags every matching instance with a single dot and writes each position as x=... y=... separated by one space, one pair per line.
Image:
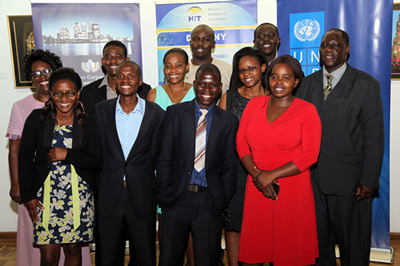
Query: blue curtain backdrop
x=369 y=25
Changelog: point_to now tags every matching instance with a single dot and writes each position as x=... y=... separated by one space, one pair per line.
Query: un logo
x=90 y=66
x=306 y=30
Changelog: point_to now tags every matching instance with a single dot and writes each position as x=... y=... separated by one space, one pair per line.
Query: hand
x=364 y=192
x=57 y=154
x=269 y=191
x=31 y=206
x=15 y=194
x=264 y=184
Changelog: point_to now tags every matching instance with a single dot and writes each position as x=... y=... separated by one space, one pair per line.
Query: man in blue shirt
x=196 y=172
x=128 y=127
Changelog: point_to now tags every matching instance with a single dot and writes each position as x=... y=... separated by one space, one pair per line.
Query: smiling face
x=207 y=87
x=267 y=40
x=282 y=81
x=175 y=68
x=250 y=71
x=65 y=95
x=333 y=51
x=112 y=57
x=128 y=79
x=41 y=82
x=202 y=42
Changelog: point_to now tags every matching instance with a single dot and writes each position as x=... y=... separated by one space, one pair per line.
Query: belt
x=124 y=183
x=197 y=188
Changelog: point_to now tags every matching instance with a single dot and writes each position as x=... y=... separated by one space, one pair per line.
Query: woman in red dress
x=278 y=140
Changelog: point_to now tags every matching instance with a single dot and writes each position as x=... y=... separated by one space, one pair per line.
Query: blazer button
x=190 y=172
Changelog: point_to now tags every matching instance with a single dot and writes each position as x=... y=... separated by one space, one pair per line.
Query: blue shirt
x=199 y=178
x=128 y=125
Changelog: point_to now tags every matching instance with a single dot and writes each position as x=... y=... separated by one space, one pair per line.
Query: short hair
x=118 y=44
x=206 y=27
x=292 y=62
x=44 y=56
x=65 y=73
x=345 y=36
x=179 y=51
x=209 y=68
x=131 y=63
x=235 y=81
x=266 y=23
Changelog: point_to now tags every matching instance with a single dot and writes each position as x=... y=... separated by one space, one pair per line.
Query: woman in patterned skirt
x=58 y=156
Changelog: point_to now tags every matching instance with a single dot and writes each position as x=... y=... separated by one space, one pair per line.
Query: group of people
x=286 y=164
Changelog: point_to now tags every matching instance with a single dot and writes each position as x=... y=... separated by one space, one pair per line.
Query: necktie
x=328 y=86
x=201 y=133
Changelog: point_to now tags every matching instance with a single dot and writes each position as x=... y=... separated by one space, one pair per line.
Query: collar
x=139 y=108
x=104 y=81
x=197 y=107
x=338 y=73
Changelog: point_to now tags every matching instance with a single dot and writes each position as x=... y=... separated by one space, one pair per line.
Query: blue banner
x=176 y=21
x=369 y=24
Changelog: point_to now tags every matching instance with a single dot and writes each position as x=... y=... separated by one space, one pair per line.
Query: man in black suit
x=347 y=172
x=127 y=196
x=196 y=172
x=114 y=52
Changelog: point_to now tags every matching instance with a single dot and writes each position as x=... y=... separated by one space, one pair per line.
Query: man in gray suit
x=347 y=172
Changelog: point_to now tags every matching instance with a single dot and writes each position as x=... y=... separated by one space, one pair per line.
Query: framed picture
x=22 y=42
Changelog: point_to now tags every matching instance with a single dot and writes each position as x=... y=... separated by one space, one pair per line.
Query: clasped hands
x=263 y=182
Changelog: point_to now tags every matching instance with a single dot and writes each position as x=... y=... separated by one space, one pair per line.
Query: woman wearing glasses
x=58 y=155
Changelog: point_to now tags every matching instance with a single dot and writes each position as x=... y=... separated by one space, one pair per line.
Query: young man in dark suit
x=347 y=172
x=127 y=197
x=114 y=52
x=196 y=172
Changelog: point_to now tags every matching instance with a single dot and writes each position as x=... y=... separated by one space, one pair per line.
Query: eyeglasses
x=44 y=72
x=250 y=69
x=59 y=95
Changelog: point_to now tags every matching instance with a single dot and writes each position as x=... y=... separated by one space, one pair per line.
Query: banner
x=78 y=32
x=176 y=21
x=369 y=24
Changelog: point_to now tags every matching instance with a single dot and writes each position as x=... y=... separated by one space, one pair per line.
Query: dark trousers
x=191 y=214
x=113 y=232
x=347 y=222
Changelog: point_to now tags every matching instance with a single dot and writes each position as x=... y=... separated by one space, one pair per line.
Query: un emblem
x=90 y=66
x=306 y=30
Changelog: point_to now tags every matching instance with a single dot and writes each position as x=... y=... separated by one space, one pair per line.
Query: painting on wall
x=396 y=42
x=22 y=43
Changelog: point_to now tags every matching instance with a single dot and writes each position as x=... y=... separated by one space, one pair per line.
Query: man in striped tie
x=196 y=172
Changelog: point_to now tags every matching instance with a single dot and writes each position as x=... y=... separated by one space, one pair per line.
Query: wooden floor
x=8 y=251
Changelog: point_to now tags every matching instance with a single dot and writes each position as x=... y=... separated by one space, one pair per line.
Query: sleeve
x=242 y=146
x=16 y=124
x=26 y=157
x=310 y=139
x=374 y=137
x=89 y=155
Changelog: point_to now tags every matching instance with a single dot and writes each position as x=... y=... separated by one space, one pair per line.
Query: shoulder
x=225 y=115
x=153 y=106
x=257 y=101
x=34 y=116
x=103 y=105
x=220 y=63
x=95 y=84
x=360 y=75
x=312 y=76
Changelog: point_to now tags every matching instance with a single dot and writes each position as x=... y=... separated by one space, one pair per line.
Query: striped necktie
x=201 y=133
x=328 y=86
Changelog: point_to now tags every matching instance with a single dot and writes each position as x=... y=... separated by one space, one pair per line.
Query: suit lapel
x=344 y=86
x=214 y=130
x=190 y=127
x=114 y=139
x=48 y=131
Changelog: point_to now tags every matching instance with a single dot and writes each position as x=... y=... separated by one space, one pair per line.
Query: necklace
x=169 y=93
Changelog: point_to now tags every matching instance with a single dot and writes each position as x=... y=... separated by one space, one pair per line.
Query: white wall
x=266 y=12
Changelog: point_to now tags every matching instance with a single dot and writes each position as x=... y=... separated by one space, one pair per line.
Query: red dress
x=283 y=232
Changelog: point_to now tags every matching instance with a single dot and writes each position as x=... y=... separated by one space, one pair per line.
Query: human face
x=267 y=40
x=333 y=51
x=175 y=68
x=207 y=88
x=250 y=71
x=41 y=82
x=282 y=81
x=112 y=57
x=202 y=42
x=65 y=104
x=128 y=80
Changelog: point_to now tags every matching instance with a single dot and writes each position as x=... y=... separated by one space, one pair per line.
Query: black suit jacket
x=91 y=94
x=352 y=131
x=176 y=160
x=34 y=163
x=138 y=167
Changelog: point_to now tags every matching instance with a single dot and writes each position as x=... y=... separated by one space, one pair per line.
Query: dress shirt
x=199 y=178
x=337 y=75
x=128 y=125
x=110 y=93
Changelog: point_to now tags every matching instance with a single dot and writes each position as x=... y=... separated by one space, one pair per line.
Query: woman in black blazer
x=58 y=156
